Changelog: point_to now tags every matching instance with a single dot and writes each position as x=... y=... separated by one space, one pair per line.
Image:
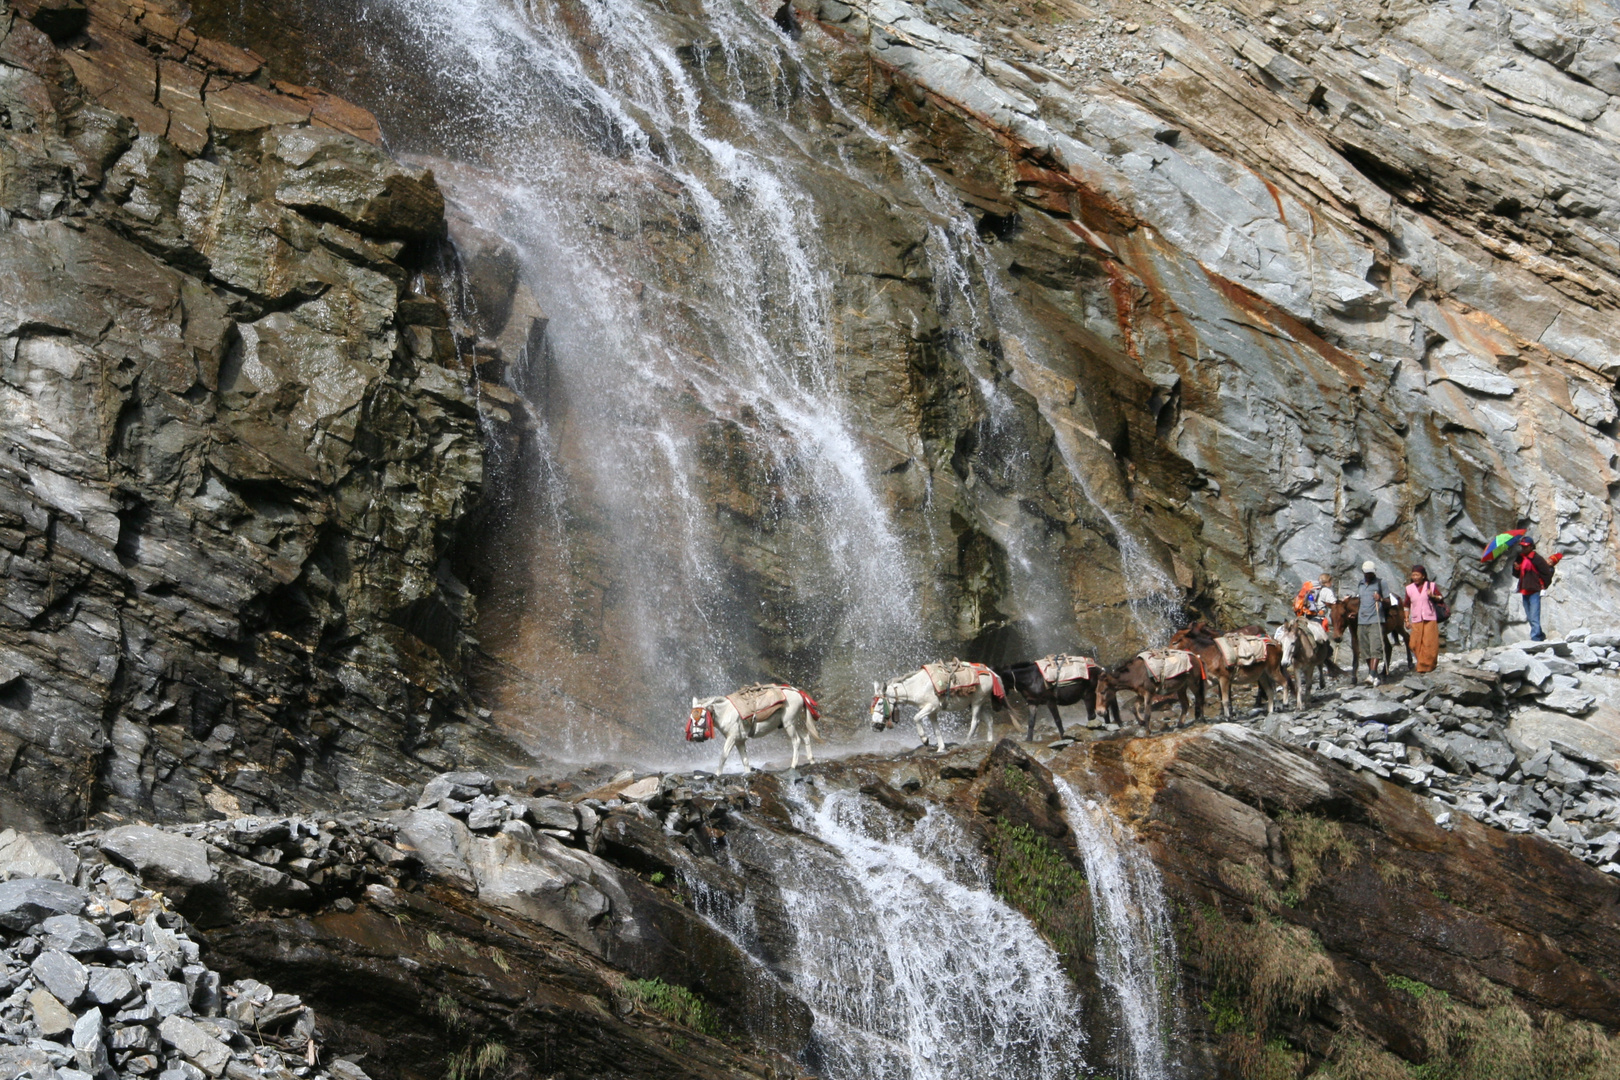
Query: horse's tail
x=812 y=713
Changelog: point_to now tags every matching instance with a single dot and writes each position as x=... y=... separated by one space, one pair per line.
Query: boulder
x=537 y=878
x=195 y=1045
x=72 y=934
x=440 y=842
x=159 y=857
x=1379 y=710
x=169 y=998
x=36 y=855
x=26 y=902
x=50 y=1014
x=61 y=974
x=459 y=786
x=1568 y=700
x=545 y=813
x=110 y=986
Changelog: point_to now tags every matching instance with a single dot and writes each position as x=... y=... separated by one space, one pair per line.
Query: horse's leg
x=742 y=752
x=931 y=712
x=1030 y=707
x=725 y=752
x=1089 y=697
x=1223 y=682
x=1057 y=717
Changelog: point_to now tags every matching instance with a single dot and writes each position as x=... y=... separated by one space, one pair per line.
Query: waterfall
x=660 y=220
x=912 y=967
x=1136 y=950
x=711 y=504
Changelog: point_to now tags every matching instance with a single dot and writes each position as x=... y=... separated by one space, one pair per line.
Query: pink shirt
x=1421 y=606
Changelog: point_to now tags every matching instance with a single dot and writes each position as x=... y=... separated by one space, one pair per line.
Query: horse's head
x=882 y=707
x=1340 y=612
x=1288 y=637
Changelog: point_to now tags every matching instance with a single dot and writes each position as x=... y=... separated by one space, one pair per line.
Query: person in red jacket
x=1534 y=574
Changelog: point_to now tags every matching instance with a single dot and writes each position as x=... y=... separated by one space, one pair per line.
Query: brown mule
x=1134 y=675
x=1221 y=661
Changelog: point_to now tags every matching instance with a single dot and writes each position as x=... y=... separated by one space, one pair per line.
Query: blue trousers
x=1532 y=612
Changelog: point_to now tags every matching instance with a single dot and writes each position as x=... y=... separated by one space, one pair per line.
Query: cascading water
x=713 y=507
x=912 y=967
x=1136 y=951
x=688 y=296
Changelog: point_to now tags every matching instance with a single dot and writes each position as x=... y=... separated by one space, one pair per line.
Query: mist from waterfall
x=1136 y=945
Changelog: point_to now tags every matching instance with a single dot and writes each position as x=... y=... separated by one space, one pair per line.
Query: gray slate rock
x=111 y=986
x=459 y=786
x=1565 y=700
x=169 y=998
x=1378 y=710
x=36 y=855
x=195 y=1045
x=62 y=975
x=90 y=1044
x=159 y=857
x=72 y=934
x=26 y=902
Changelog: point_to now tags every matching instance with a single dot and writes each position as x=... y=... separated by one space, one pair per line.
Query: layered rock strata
x=236 y=441
x=573 y=927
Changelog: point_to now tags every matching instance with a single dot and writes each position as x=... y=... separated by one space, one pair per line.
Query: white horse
x=709 y=713
x=918 y=689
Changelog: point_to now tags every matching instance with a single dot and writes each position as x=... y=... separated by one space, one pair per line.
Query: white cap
x=1368 y=567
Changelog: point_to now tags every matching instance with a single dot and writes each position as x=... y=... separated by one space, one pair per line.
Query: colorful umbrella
x=1501 y=543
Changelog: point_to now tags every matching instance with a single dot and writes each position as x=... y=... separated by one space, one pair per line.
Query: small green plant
x=1412 y=986
x=434 y=941
x=499 y=958
x=657 y=877
x=467 y=947
x=1033 y=876
x=676 y=1004
x=1016 y=779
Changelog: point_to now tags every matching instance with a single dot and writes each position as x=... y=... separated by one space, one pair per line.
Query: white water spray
x=912 y=967
x=1136 y=945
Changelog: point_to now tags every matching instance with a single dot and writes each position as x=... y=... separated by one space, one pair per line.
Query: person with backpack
x=1370 y=618
x=1424 y=609
x=1315 y=598
x=1535 y=574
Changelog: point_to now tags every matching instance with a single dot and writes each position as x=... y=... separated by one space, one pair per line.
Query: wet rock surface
x=234 y=459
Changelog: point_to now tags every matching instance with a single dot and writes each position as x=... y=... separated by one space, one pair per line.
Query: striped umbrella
x=1501 y=543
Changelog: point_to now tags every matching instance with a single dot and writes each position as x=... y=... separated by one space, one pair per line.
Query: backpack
x=1305 y=592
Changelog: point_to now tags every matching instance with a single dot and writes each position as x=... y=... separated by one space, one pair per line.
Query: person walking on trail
x=1371 y=595
x=1535 y=574
x=1422 y=619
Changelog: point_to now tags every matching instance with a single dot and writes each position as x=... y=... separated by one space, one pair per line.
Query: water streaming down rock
x=1136 y=950
x=913 y=968
x=691 y=321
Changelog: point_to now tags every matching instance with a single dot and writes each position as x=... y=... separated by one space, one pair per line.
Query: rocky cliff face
x=234 y=456
x=1134 y=304
x=822 y=924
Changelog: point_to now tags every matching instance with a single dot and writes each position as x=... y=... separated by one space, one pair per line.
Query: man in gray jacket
x=1370 y=620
